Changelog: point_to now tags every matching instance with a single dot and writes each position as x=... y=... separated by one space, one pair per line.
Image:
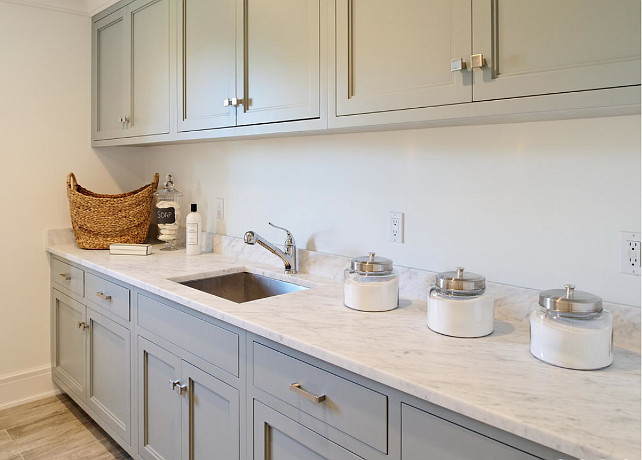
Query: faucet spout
x=288 y=256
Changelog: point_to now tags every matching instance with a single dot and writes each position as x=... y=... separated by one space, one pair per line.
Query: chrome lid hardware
x=458 y=283
x=371 y=264
x=568 y=300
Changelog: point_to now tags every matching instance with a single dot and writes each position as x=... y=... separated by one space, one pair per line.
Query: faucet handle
x=289 y=239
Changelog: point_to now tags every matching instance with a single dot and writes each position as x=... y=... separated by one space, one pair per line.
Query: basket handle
x=154 y=181
x=71 y=176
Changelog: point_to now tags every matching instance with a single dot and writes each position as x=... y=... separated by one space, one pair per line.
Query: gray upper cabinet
x=548 y=46
x=246 y=62
x=207 y=74
x=415 y=54
x=109 y=76
x=131 y=71
x=397 y=55
x=280 y=61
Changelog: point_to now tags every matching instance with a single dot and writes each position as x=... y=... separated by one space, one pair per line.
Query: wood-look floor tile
x=33 y=411
x=54 y=429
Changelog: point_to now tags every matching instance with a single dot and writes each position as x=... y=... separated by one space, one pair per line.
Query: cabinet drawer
x=351 y=408
x=110 y=296
x=212 y=343
x=69 y=277
x=424 y=435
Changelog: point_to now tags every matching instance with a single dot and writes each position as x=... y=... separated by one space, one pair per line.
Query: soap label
x=191 y=233
x=166 y=215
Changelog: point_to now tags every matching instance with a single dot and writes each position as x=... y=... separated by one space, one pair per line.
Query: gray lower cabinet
x=277 y=437
x=425 y=436
x=185 y=413
x=91 y=354
x=169 y=383
x=109 y=370
x=69 y=340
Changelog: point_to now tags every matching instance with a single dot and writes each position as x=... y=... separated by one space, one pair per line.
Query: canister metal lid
x=459 y=283
x=371 y=264
x=568 y=300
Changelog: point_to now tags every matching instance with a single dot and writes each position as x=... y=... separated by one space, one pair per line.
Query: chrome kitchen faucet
x=288 y=257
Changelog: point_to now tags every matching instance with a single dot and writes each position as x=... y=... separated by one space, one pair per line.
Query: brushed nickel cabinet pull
x=298 y=389
x=82 y=325
x=103 y=296
x=65 y=276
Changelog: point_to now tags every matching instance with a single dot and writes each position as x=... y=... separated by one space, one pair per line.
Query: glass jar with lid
x=460 y=305
x=571 y=329
x=371 y=284
x=167 y=202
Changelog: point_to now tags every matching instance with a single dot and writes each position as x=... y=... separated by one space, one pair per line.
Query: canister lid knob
x=568 y=300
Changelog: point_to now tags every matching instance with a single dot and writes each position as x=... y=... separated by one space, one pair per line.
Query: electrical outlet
x=220 y=215
x=396 y=227
x=630 y=253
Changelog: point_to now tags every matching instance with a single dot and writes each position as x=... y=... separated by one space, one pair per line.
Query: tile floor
x=54 y=428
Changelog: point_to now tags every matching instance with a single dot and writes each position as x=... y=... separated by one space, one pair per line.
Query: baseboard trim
x=22 y=387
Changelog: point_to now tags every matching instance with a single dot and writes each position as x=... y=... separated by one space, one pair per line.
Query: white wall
x=44 y=134
x=528 y=204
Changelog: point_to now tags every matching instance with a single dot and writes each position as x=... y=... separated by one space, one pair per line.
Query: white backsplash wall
x=534 y=205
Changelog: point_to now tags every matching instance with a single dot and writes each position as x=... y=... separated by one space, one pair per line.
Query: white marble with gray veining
x=587 y=414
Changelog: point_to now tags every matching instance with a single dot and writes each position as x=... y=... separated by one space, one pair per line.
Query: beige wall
x=528 y=204
x=45 y=133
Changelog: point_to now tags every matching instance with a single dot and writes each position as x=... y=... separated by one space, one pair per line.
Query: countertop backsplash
x=511 y=302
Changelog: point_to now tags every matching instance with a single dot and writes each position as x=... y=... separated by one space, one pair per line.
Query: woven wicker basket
x=99 y=220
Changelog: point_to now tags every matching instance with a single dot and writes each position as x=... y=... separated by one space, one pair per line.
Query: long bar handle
x=298 y=389
x=103 y=296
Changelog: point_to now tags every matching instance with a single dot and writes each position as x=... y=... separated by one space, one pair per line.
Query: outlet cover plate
x=630 y=253
x=395 y=228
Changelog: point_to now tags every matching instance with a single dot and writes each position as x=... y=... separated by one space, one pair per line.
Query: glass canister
x=459 y=305
x=571 y=329
x=371 y=284
x=167 y=202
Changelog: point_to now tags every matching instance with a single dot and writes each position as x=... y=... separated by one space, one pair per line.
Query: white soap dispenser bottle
x=193 y=232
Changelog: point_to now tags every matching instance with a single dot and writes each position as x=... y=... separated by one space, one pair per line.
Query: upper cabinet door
x=207 y=64
x=278 y=59
x=110 y=78
x=552 y=46
x=397 y=55
x=150 y=67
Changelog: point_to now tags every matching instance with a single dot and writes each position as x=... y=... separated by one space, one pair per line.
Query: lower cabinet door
x=276 y=437
x=159 y=403
x=70 y=338
x=211 y=426
x=109 y=369
x=426 y=437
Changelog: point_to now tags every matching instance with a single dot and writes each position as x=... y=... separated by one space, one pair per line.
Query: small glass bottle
x=167 y=202
x=571 y=329
x=371 y=284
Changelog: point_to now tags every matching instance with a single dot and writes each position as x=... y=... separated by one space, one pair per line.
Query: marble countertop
x=494 y=379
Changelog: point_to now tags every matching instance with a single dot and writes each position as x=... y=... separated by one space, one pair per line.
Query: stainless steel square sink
x=242 y=286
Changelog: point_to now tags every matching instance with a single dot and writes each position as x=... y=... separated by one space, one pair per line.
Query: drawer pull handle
x=65 y=276
x=296 y=387
x=103 y=296
x=82 y=325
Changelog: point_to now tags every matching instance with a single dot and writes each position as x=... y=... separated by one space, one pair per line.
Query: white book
x=130 y=249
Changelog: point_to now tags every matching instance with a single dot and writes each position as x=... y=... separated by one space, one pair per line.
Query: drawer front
x=110 y=296
x=424 y=435
x=67 y=276
x=212 y=343
x=351 y=408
